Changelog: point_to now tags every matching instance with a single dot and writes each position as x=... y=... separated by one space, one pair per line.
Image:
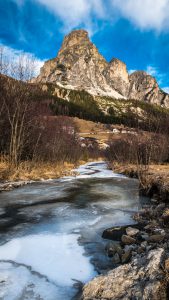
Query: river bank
x=142 y=256
x=141 y=252
x=156 y=179
x=29 y=172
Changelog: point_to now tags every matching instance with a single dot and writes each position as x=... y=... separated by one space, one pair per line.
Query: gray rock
x=141 y=250
x=126 y=257
x=127 y=240
x=116 y=259
x=132 y=231
x=134 y=253
x=156 y=238
x=111 y=249
x=119 y=249
x=160 y=207
x=145 y=236
x=130 y=247
x=144 y=244
x=127 y=281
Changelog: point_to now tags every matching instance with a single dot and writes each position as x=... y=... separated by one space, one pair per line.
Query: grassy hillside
x=108 y=110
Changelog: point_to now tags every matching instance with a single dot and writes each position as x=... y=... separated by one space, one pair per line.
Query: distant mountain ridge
x=80 y=66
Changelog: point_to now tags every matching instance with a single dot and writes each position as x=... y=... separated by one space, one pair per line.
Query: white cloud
x=131 y=71
x=12 y=56
x=74 y=13
x=160 y=77
x=166 y=89
x=146 y=14
x=152 y=71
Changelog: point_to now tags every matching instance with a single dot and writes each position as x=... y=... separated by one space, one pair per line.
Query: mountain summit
x=80 y=66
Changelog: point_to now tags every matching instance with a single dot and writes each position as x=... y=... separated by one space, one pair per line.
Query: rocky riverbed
x=141 y=253
x=10 y=185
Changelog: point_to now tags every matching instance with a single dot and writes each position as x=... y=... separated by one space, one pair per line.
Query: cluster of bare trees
x=20 y=67
x=141 y=149
x=28 y=131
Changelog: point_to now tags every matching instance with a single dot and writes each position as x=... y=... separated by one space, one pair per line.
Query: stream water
x=50 y=232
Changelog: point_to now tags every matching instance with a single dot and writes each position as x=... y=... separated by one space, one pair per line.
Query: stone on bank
x=142 y=279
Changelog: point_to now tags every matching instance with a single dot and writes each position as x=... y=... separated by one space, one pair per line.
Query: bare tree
x=16 y=103
x=23 y=68
x=4 y=63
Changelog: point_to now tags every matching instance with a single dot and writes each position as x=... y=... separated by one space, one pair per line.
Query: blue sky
x=135 y=31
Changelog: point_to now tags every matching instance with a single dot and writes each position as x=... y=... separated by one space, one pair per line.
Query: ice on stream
x=43 y=260
x=56 y=262
x=96 y=170
x=58 y=257
x=20 y=282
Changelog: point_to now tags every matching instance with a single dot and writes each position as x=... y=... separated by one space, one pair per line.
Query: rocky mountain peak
x=145 y=87
x=79 y=65
x=74 y=38
x=119 y=69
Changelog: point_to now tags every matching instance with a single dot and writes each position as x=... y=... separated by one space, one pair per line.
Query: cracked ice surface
x=44 y=265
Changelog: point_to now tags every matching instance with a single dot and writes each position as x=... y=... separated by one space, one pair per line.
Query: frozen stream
x=50 y=232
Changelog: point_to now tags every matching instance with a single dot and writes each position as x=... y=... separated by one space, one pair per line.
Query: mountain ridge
x=80 y=66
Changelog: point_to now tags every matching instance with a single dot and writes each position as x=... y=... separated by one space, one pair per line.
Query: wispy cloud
x=145 y=14
x=131 y=71
x=74 y=13
x=12 y=56
x=152 y=71
x=160 y=77
x=166 y=89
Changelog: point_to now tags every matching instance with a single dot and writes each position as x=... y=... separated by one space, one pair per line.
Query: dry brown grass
x=34 y=171
x=154 y=169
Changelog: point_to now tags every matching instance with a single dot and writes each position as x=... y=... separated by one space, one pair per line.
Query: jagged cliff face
x=117 y=76
x=145 y=87
x=79 y=66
